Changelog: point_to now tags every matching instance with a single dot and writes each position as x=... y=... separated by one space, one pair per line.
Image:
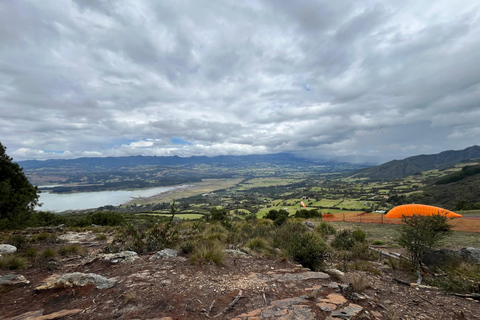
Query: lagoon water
x=87 y=200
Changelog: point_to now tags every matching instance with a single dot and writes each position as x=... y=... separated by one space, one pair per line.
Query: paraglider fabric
x=419 y=209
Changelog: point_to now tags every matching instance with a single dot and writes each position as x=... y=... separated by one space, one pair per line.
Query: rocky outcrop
x=470 y=254
x=79 y=279
x=165 y=253
x=12 y=280
x=124 y=257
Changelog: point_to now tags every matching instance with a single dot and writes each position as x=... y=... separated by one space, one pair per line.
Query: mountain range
x=412 y=165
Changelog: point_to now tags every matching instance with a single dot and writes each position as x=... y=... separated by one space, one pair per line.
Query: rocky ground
x=128 y=286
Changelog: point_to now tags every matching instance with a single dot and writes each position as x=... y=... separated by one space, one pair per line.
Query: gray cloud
x=112 y=78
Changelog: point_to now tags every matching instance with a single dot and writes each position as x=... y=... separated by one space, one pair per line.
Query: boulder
x=78 y=279
x=13 y=280
x=165 y=253
x=310 y=224
x=437 y=258
x=7 y=248
x=124 y=257
x=470 y=254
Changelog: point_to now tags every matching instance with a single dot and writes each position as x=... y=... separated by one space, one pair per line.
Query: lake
x=89 y=200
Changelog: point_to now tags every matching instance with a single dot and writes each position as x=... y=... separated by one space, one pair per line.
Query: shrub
x=209 y=251
x=73 y=249
x=107 y=218
x=187 y=247
x=12 y=262
x=48 y=254
x=359 y=235
x=259 y=245
x=325 y=229
x=18 y=241
x=359 y=283
x=378 y=243
x=308 y=249
x=45 y=237
x=283 y=234
x=31 y=252
x=344 y=240
x=419 y=234
x=308 y=214
x=275 y=214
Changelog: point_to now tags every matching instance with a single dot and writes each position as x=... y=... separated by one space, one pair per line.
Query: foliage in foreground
x=308 y=249
x=18 y=197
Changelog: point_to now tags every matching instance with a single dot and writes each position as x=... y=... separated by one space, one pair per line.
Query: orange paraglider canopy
x=419 y=209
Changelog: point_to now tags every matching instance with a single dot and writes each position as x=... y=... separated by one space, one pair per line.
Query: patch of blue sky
x=178 y=140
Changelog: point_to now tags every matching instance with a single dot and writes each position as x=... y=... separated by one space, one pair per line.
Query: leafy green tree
x=18 y=197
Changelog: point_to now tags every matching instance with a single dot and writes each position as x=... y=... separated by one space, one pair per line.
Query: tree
x=18 y=197
x=419 y=233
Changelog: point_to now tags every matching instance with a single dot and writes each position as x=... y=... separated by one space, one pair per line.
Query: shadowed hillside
x=416 y=164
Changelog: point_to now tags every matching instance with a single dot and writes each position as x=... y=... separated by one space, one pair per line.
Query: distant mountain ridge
x=402 y=168
x=131 y=161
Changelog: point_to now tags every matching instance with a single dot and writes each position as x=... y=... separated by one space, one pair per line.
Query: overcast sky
x=388 y=79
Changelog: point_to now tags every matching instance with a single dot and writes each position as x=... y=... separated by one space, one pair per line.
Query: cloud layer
x=115 y=78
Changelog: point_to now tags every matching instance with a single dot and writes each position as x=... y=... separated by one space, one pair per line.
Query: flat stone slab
x=124 y=256
x=334 y=298
x=13 y=280
x=309 y=275
x=69 y=280
x=348 y=312
x=77 y=237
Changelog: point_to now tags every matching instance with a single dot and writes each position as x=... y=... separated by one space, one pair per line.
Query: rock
x=334 y=298
x=77 y=237
x=470 y=254
x=349 y=312
x=68 y=280
x=7 y=248
x=165 y=253
x=436 y=258
x=13 y=280
x=124 y=256
x=303 y=276
x=337 y=274
x=310 y=224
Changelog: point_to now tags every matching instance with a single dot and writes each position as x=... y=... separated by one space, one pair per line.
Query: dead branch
x=475 y=296
x=239 y=295
x=402 y=282
x=385 y=253
x=207 y=313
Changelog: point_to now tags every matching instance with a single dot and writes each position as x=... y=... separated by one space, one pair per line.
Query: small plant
x=344 y=240
x=378 y=243
x=48 y=254
x=359 y=235
x=359 y=283
x=325 y=229
x=210 y=251
x=308 y=249
x=100 y=237
x=12 y=262
x=18 y=241
x=73 y=249
x=31 y=252
x=45 y=237
x=187 y=247
x=259 y=245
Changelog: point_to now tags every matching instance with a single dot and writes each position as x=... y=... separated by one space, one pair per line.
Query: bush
x=359 y=235
x=209 y=251
x=107 y=218
x=419 y=234
x=12 y=262
x=325 y=229
x=275 y=214
x=259 y=245
x=308 y=249
x=308 y=214
x=73 y=249
x=344 y=240
x=18 y=241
